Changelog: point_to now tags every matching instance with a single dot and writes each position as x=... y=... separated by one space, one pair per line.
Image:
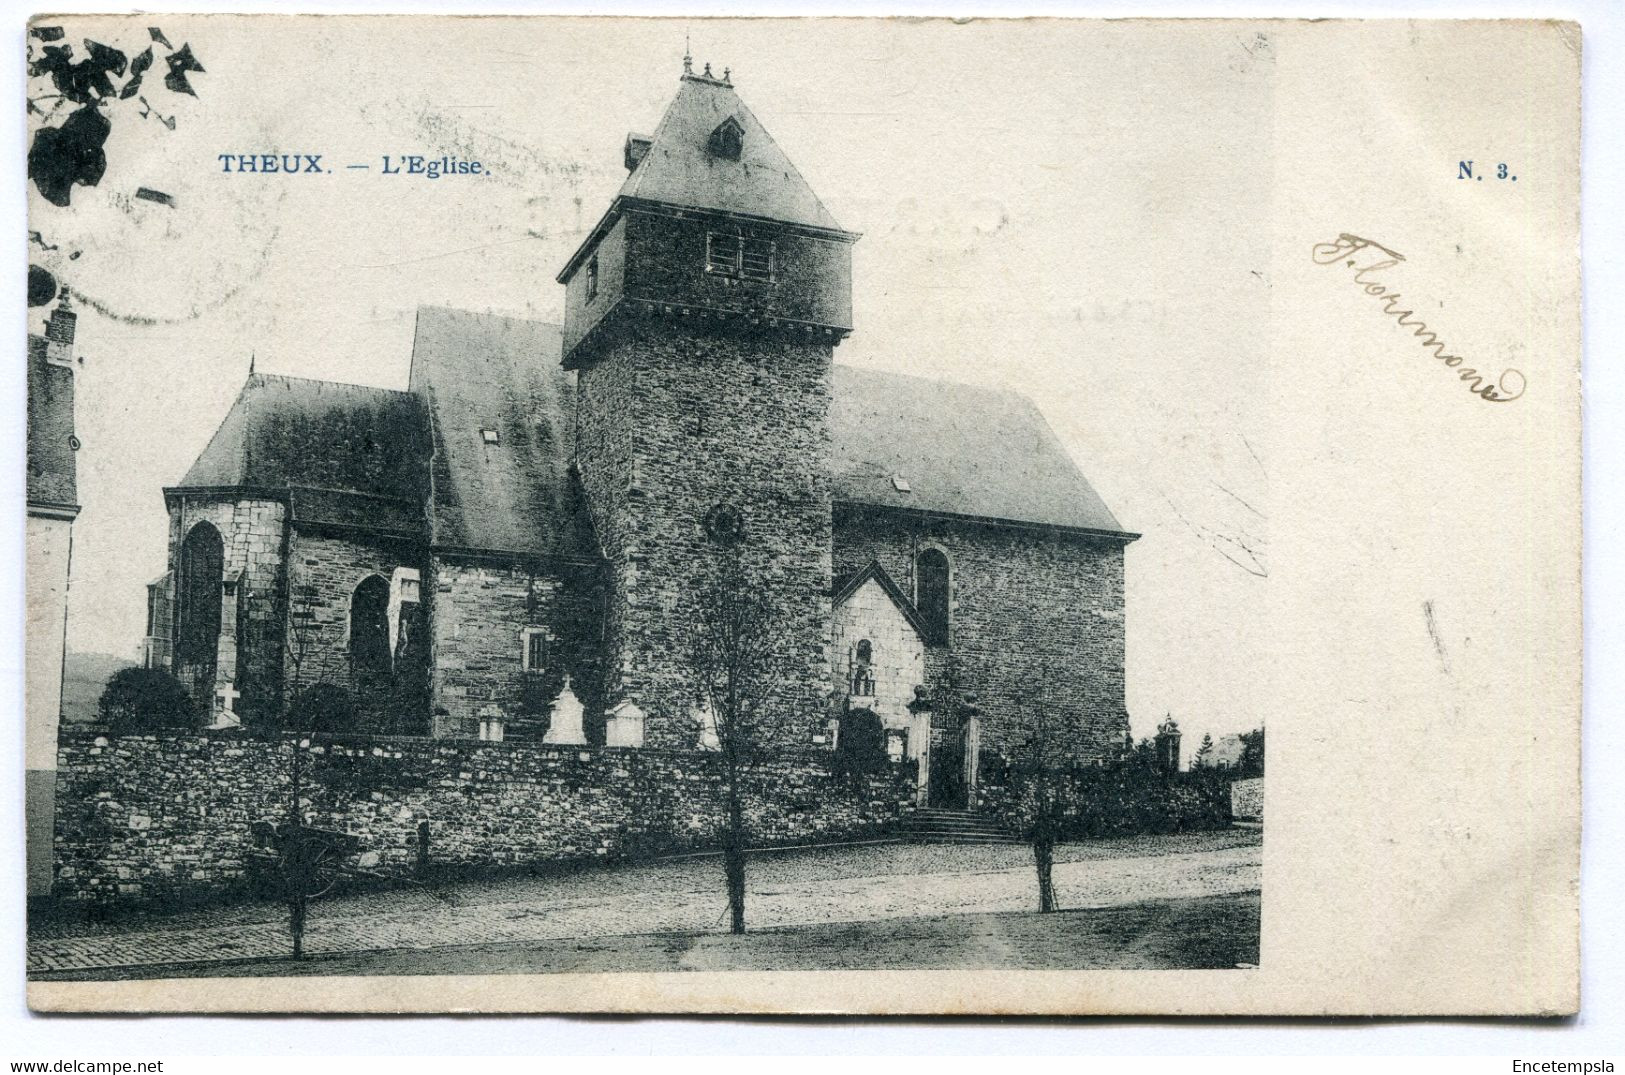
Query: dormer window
x=728 y=140
x=739 y=257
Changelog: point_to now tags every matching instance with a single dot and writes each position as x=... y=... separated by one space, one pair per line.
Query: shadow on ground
x=1207 y=932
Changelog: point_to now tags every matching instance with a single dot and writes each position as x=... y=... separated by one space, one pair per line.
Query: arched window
x=369 y=632
x=863 y=676
x=197 y=599
x=932 y=594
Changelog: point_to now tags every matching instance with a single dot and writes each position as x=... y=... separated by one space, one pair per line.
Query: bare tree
x=731 y=660
x=1042 y=766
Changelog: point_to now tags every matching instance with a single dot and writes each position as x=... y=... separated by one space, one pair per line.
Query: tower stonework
x=702 y=314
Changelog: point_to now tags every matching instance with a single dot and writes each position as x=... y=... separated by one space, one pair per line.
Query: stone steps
x=954 y=827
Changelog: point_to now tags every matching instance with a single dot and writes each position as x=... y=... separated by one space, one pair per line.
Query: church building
x=510 y=548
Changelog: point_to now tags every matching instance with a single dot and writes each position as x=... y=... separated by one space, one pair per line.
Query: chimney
x=636 y=146
x=59 y=331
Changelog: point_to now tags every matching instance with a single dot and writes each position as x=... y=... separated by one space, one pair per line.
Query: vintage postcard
x=803 y=515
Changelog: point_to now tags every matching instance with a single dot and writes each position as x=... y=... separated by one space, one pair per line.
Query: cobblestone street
x=806 y=887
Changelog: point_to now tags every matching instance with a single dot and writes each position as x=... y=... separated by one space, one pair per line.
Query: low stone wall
x=166 y=817
x=1247 y=799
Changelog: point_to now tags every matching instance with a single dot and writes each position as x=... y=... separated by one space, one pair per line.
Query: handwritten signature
x=1506 y=388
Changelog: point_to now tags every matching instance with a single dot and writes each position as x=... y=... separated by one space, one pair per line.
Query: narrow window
x=155 y=616
x=198 y=598
x=592 y=278
x=534 y=644
x=863 y=676
x=370 y=657
x=202 y=566
x=931 y=594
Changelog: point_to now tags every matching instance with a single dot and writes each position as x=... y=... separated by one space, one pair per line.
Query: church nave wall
x=481 y=615
x=1033 y=612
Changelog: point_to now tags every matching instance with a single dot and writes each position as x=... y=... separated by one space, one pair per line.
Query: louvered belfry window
x=739 y=257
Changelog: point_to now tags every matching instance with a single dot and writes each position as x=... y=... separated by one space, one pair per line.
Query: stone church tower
x=702 y=313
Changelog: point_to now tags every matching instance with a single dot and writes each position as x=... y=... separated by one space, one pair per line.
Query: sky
x=1079 y=216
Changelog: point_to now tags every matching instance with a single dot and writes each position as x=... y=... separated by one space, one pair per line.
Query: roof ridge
x=219 y=428
x=1013 y=393
x=422 y=306
x=628 y=188
x=265 y=377
x=817 y=200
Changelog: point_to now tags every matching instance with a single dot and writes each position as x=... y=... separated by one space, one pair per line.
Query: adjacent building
x=53 y=503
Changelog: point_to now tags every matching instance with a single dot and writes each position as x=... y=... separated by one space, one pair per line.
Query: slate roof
x=960 y=450
x=343 y=454
x=679 y=169
x=479 y=372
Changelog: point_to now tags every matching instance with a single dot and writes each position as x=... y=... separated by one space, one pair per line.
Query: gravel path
x=787 y=888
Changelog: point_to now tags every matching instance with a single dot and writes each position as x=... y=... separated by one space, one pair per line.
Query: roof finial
x=727 y=75
x=707 y=70
x=688 y=58
x=251 y=363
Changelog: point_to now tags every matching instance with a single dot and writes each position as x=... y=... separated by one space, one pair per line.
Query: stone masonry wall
x=250 y=652
x=323 y=573
x=672 y=421
x=479 y=611
x=148 y=818
x=1032 y=611
x=1247 y=799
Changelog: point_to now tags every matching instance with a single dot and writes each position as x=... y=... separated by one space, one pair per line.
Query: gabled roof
x=347 y=455
x=944 y=448
x=680 y=169
x=851 y=584
x=357 y=453
x=478 y=372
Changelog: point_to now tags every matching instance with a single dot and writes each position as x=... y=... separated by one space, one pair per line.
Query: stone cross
x=227 y=695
